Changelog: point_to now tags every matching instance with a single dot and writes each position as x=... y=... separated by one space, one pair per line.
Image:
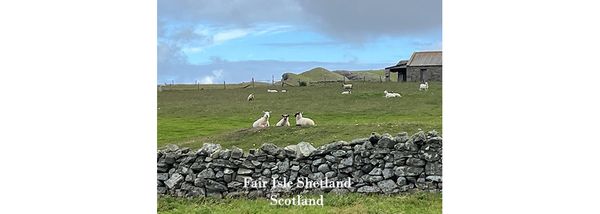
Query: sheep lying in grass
x=250 y=97
x=424 y=86
x=263 y=121
x=347 y=86
x=346 y=92
x=389 y=95
x=303 y=121
x=271 y=90
x=285 y=120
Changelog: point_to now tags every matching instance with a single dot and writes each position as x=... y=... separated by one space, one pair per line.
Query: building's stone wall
x=433 y=73
x=382 y=164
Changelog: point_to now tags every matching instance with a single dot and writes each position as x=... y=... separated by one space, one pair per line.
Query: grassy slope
x=349 y=203
x=190 y=117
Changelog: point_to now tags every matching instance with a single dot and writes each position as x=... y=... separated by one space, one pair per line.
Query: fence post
x=380 y=81
x=252 y=82
x=224 y=85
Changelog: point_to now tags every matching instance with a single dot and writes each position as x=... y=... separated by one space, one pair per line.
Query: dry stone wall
x=380 y=164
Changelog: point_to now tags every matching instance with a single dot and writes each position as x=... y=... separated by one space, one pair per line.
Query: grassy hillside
x=192 y=117
x=313 y=75
x=348 y=203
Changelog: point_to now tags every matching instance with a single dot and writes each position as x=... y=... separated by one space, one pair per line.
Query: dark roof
x=401 y=64
x=425 y=58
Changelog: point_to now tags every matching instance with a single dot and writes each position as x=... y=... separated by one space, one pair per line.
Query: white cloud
x=227 y=35
x=217 y=73
x=207 y=80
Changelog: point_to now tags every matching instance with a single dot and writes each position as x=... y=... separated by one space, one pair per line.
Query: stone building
x=421 y=67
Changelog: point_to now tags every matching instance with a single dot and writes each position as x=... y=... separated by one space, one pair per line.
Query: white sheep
x=346 y=92
x=303 y=121
x=271 y=90
x=424 y=86
x=285 y=120
x=250 y=97
x=389 y=95
x=263 y=121
x=283 y=90
x=347 y=86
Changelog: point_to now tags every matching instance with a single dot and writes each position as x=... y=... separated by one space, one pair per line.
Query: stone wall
x=433 y=73
x=382 y=164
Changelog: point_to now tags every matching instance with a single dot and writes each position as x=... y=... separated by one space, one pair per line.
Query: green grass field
x=348 y=203
x=192 y=117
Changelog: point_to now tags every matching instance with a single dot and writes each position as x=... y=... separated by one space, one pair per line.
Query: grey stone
x=407 y=171
x=347 y=161
x=415 y=162
x=295 y=168
x=215 y=186
x=242 y=171
x=228 y=171
x=162 y=176
x=435 y=178
x=219 y=174
x=175 y=179
x=270 y=148
x=330 y=158
x=330 y=174
x=375 y=171
x=284 y=166
x=386 y=142
x=196 y=192
x=236 y=153
x=208 y=149
x=401 y=137
x=225 y=154
x=368 y=189
x=387 y=173
x=305 y=148
x=318 y=161
x=418 y=138
x=374 y=179
x=338 y=153
x=207 y=173
x=161 y=190
x=433 y=169
x=172 y=148
x=401 y=181
x=316 y=176
x=430 y=153
x=323 y=168
x=266 y=172
x=406 y=187
x=199 y=182
x=387 y=186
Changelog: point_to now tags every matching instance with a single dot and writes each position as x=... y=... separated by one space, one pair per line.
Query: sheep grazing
x=285 y=120
x=347 y=86
x=250 y=97
x=303 y=121
x=283 y=91
x=271 y=90
x=263 y=121
x=389 y=95
x=346 y=92
x=424 y=86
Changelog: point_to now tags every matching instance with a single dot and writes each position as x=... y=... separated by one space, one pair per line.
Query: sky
x=211 y=41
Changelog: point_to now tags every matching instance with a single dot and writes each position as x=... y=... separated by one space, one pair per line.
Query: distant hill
x=317 y=74
x=320 y=74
